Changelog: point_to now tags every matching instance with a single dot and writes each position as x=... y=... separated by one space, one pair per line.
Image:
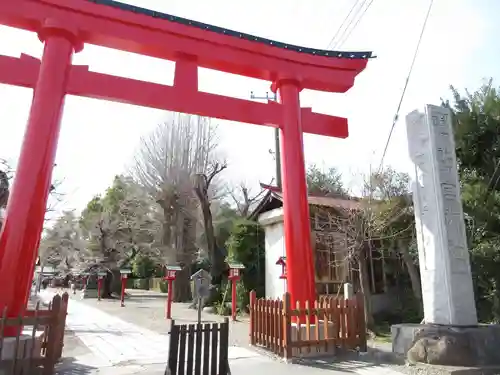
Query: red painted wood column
x=25 y=212
x=299 y=257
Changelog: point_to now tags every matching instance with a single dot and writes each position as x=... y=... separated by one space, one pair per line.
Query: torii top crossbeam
x=125 y=27
x=66 y=25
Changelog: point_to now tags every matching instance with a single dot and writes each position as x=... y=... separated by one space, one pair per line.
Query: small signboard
x=201 y=280
x=234 y=269
x=124 y=273
x=173 y=268
x=171 y=271
x=236 y=266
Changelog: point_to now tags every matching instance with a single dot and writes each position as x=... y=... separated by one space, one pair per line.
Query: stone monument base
x=28 y=346
x=469 y=346
x=314 y=351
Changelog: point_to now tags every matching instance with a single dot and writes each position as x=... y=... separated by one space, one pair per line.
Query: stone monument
x=447 y=290
x=450 y=334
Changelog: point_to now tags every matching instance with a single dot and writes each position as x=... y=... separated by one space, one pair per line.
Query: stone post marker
x=450 y=334
x=447 y=290
x=348 y=291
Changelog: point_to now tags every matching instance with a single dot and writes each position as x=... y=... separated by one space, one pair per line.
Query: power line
x=340 y=43
x=395 y=120
x=277 y=147
x=350 y=23
x=342 y=24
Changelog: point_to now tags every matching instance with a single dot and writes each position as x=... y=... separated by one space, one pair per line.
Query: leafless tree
x=55 y=201
x=6 y=176
x=352 y=226
x=244 y=199
x=393 y=218
x=383 y=216
x=202 y=182
x=63 y=245
x=166 y=165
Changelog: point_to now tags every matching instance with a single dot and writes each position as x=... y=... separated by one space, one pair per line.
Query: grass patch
x=382 y=332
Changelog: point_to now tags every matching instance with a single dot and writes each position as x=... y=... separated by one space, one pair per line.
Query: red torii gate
x=64 y=26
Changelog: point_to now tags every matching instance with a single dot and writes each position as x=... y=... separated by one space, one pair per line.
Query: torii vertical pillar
x=26 y=207
x=300 y=268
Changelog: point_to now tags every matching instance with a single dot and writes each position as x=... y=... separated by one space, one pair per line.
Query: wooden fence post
x=253 y=316
x=287 y=326
x=361 y=324
x=53 y=336
x=63 y=313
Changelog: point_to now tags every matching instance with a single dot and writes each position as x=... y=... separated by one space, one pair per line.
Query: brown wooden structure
x=199 y=349
x=339 y=323
x=330 y=244
x=43 y=326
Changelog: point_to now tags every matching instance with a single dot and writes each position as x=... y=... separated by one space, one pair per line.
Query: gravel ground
x=444 y=370
x=146 y=309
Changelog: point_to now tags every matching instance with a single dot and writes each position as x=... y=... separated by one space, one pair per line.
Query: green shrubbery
x=246 y=245
x=164 y=286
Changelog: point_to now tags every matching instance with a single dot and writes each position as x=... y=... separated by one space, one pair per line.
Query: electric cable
x=342 y=24
x=395 y=120
x=342 y=42
x=354 y=18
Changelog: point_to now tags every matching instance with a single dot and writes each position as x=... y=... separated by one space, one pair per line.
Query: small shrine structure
x=332 y=266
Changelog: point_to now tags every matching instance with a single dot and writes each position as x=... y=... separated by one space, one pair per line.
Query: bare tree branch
x=244 y=199
x=201 y=189
x=167 y=162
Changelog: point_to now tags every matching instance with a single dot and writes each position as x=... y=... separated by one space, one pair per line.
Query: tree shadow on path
x=69 y=366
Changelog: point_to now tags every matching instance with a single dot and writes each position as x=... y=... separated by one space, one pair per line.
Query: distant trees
x=5 y=175
x=477 y=137
x=171 y=209
x=111 y=232
x=63 y=245
x=325 y=183
x=4 y=187
x=122 y=224
x=177 y=165
x=244 y=199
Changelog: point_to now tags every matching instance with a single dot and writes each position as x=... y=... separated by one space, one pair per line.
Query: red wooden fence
x=338 y=323
x=31 y=359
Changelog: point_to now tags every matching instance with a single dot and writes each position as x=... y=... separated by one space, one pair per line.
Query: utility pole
x=277 y=153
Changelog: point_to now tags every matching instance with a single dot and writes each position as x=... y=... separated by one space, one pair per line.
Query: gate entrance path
x=115 y=342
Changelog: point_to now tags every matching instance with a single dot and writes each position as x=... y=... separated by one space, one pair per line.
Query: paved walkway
x=147 y=310
x=114 y=342
x=121 y=348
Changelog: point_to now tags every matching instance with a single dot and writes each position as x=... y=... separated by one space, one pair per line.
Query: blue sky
x=98 y=138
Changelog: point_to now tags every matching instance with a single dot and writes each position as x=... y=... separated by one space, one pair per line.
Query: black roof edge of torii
x=236 y=34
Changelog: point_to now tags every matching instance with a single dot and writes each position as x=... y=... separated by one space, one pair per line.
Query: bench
x=199 y=349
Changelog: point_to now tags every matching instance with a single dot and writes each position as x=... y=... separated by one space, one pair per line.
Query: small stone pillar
x=348 y=291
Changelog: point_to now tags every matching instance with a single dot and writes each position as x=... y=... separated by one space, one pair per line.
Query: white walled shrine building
x=331 y=260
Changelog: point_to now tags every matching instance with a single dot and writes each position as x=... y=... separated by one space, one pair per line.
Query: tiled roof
x=335 y=202
x=350 y=203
